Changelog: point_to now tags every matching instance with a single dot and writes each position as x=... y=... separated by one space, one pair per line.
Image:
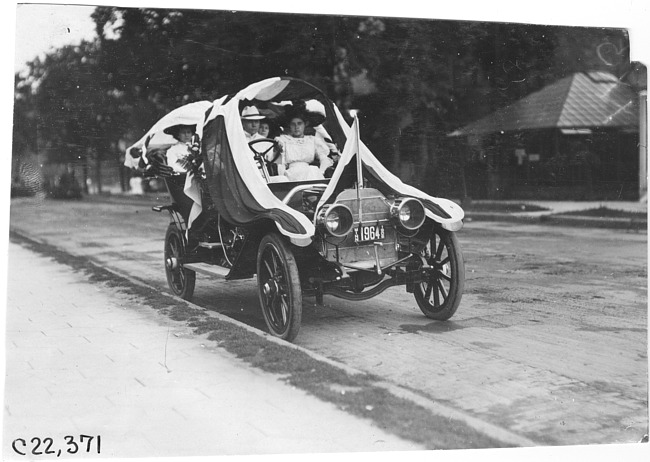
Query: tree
x=24 y=127
x=77 y=115
x=414 y=80
x=434 y=76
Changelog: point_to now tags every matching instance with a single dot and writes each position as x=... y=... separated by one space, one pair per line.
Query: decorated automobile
x=309 y=212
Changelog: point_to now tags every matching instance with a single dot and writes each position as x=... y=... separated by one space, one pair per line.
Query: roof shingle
x=581 y=100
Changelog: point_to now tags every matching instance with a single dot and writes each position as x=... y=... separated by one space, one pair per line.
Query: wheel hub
x=270 y=288
x=172 y=263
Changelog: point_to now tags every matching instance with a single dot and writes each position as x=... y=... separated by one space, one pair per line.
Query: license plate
x=369 y=233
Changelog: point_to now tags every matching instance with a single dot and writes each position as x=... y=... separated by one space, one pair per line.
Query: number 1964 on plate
x=369 y=233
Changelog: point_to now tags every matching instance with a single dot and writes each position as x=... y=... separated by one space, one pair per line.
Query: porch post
x=643 y=144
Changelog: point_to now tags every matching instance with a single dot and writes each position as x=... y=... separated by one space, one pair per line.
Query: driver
x=250 y=120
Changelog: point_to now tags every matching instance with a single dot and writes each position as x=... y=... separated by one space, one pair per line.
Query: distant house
x=577 y=138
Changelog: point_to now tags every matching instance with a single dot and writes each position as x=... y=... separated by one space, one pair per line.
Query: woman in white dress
x=181 y=154
x=299 y=152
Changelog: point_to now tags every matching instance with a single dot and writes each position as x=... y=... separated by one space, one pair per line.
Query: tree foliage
x=413 y=80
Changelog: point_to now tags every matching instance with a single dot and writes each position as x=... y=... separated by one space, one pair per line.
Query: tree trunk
x=463 y=185
x=98 y=172
x=85 y=174
x=122 y=177
x=400 y=122
x=426 y=155
x=393 y=138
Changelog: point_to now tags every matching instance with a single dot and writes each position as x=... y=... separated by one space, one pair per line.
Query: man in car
x=250 y=119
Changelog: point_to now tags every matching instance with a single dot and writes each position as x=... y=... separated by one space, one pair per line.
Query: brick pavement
x=83 y=359
x=474 y=362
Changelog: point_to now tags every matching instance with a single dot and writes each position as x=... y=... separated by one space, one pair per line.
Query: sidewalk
x=571 y=206
x=84 y=359
x=561 y=213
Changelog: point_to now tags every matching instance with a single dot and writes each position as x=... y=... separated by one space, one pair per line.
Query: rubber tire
x=175 y=246
x=448 y=307
x=287 y=276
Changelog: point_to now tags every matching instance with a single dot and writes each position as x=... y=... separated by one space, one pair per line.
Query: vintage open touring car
x=352 y=235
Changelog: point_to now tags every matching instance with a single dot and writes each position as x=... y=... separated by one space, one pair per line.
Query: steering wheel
x=272 y=144
x=259 y=155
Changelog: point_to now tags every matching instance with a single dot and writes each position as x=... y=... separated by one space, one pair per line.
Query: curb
x=631 y=224
x=596 y=222
x=488 y=216
x=490 y=430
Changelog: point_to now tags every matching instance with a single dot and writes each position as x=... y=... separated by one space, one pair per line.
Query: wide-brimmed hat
x=312 y=112
x=174 y=129
x=251 y=113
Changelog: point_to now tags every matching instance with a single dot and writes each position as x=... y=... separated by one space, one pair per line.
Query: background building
x=577 y=138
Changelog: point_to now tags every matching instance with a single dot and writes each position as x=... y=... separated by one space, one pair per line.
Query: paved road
x=83 y=358
x=550 y=341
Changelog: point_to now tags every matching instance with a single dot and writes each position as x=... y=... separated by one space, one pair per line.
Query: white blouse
x=177 y=157
x=298 y=153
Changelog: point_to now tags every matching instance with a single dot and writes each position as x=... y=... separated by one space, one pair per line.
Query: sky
x=41 y=28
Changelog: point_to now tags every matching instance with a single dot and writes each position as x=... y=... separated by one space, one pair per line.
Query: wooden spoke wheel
x=279 y=287
x=438 y=296
x=181 y=281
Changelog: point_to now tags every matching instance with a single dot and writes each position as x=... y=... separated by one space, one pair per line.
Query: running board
x=211 y=245
x=210 y=270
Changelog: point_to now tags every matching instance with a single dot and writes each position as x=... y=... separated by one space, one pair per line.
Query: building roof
x=582 y=100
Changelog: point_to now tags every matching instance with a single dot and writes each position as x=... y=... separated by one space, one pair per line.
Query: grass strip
x=605 y=212
x=503 y=207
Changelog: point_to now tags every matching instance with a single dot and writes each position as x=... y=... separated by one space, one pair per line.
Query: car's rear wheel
x=438 y=296
x=279 y=287
x=181 y=281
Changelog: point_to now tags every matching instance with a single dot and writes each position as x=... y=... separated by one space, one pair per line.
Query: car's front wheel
x=438 y=296
x=279 y=287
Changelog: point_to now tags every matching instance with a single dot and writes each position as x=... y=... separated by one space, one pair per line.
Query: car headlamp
x=405 y=214
x=335 y=219
x=332 y=221
x=408 y=213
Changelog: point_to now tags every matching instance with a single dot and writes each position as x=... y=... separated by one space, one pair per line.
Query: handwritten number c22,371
x=43 y=446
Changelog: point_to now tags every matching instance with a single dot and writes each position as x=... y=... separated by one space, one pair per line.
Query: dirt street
x=550 y=340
